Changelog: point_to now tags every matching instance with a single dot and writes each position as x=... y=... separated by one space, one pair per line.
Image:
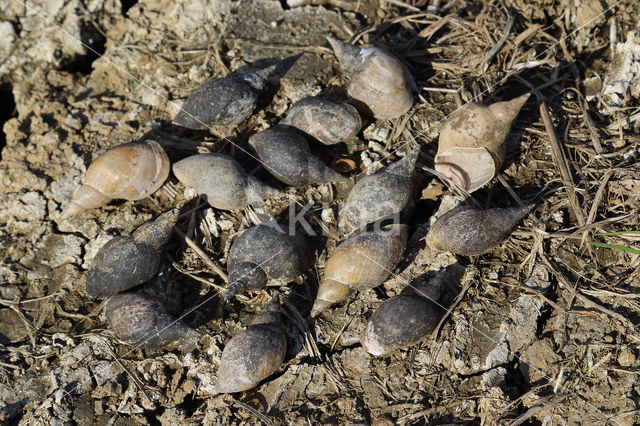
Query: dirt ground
x=541 y=330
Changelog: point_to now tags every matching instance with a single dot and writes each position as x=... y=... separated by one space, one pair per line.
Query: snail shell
x=471 y=146
x=401 y=321
x=265 y=253
x=470 y=232
x=224 y=182
x=125 y=262
x=287 y=156
x=130 y=171
x=379 y=195
x=141 y=321
x=222 y=101
x=253 y=354
x=327 y=121
x=360 y=262
x=377 y=79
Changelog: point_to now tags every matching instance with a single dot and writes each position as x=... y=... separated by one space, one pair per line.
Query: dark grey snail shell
x=470 y=232
x=125 y=262
x=142 y=321
x=400 y=321
x=327 y=121
x=253 y=354
x=379 y=195
x=287 y=156
x=224 y=182
x=222 y=101
x=265 y=253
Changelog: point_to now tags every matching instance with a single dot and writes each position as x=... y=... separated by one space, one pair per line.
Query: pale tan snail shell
x=130 y=171
x=471 y=147
x=378 y=80
x=360 y=262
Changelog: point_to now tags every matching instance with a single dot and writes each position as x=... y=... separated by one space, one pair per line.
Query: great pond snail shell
x=401 y=321
x=379 y=195
x=125 y=262
x=224 y=182
x=471 y=147
x=378 y=80
x=469 y=231
x=360 y=262
x=327 y=121
x=130 y=171
x=265 y=253
x=253 y=354
x=287 y=156
x=222 y=101
x=142 y=321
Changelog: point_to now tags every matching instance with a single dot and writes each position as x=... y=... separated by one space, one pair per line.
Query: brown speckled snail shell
x=141 y=321
x=471 y=146
x=327 y=121
x=224 y=182
x=379 y=195
x=469 y=231
x=360 y=262
x=401 y=321
x=222 y=101
x=130 y=171
x=266 y=253
x=125 y=262
x=378 y=80
x=287 y=156
x=253 y=354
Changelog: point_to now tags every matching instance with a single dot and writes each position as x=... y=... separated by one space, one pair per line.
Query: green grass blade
x=613 y=246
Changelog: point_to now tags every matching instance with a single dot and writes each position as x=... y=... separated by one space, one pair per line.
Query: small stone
x=626 y=358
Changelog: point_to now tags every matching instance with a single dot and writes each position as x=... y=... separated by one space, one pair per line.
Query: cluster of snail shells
x=470 y=151
x=125 y=262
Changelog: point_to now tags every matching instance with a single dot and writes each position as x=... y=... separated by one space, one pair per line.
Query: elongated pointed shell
x=224 y=182
x=327 y=121
x=287 y=156
x=377 y=79
x=400 y=321
x=471 y=232
x=253 y=354
x=125 y=262
x=265 y=253
x=379 y=195
x=141 y=321
x=130 y=171
x=471 y=147
x=222 y=101
x=360 y=262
